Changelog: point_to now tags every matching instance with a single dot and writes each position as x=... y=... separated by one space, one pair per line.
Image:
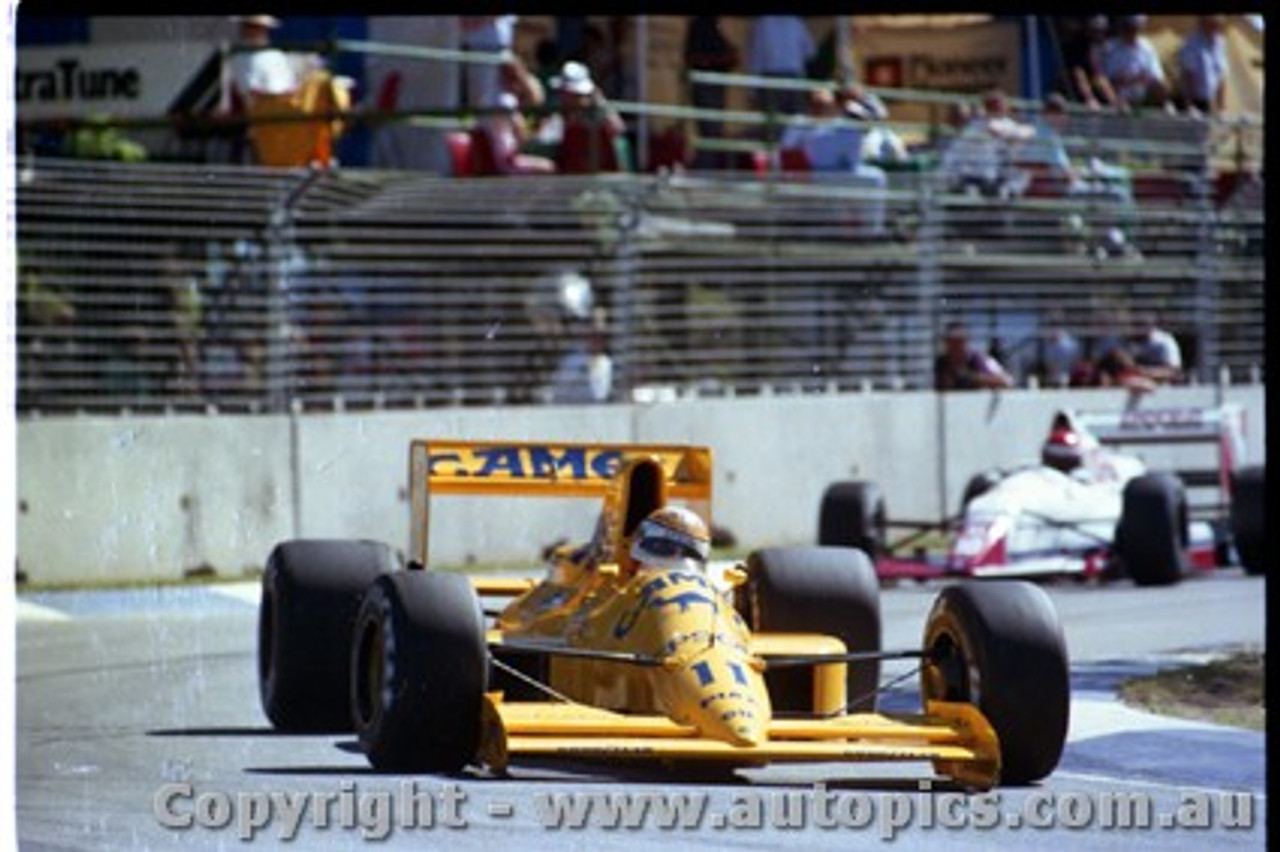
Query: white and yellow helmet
x=669 y=537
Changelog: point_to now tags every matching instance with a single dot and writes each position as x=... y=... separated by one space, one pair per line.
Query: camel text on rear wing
x=539 y=469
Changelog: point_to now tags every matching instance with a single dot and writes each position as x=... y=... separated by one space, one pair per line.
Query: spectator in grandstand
x=586 y=131
x=518 y=79
x=486 y=34
x=129 y=368
x=1115 y=368
x=1082 y=57
x=40 y=305
x=1060 y=353
x=45 y=315
x=257 y=68
x=980 y=158
x=1045 y=154
x=1133 y=68
x=962 y=366
x=780 y=46
x=1155 y=350
x=707 y=49
x=584 y=373
x=880 y=143
x=1202 y=67
x=827 y=143
x=1109 y=361
x=186 y=312
x=504 y=133
x=269 y=86
x=830 y=144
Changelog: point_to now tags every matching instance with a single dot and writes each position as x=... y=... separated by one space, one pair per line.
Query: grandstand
x=184 y=284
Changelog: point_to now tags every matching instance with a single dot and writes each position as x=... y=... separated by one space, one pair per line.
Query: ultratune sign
x=956 y=59
x=139 y=80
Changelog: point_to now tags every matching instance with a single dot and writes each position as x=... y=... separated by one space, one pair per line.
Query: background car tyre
x=1248 y=521
x=1151 y=537
x=832 y=590
x=311 y=591
x=852 y=514
x=419 y=672
x=998 y=644
x=979 y=484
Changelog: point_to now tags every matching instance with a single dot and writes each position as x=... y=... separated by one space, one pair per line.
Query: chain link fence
x=192 y=287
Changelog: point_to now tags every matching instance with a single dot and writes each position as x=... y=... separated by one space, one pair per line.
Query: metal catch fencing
x=172 y=287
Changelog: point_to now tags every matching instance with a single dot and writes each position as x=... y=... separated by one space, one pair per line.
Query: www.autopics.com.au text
x=411 y=806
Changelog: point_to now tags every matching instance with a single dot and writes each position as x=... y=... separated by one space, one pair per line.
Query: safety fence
x=164 y=286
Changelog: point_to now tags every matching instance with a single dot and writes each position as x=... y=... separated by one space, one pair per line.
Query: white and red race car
x=1086 y=509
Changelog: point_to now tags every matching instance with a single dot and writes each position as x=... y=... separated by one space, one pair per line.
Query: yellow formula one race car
x=634 y=646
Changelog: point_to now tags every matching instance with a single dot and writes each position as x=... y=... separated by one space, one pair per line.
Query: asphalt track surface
x=124 y=698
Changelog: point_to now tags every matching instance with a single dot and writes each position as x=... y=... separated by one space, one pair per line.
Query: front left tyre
x=419 y=671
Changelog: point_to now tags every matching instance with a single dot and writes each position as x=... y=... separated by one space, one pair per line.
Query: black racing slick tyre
x=979 y=484
x=419 y=671
x=832 y=590
x=1248 y=518
x=998 y=644
x=852 y=514
x=1151 y=537
x=311 y=591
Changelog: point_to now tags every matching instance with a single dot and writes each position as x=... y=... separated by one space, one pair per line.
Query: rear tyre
x=1151 y=537
x=853 y=515
x=1248 y=524
x=311 y=590
x=830 y=590
x=998 y=644
x=418 y=672
x=979 y=484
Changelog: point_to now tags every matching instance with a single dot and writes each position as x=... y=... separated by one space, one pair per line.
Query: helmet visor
x=669 y=548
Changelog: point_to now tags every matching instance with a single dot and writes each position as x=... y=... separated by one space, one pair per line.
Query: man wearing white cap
x=587 y=130
x=257 y=68
x=273 y=91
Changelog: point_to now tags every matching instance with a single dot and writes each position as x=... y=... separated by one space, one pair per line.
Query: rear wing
x=1220 y=426
x=540 y=469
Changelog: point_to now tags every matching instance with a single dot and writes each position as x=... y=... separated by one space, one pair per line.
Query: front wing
x=955 y=737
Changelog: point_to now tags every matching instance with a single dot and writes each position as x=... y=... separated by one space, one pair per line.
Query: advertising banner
x=955 y=59
x=135 y=80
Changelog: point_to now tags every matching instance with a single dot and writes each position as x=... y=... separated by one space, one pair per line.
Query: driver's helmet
x=670 y=537
x=1063 y=450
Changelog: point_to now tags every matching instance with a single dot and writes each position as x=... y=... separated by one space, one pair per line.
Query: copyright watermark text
x=416 y=806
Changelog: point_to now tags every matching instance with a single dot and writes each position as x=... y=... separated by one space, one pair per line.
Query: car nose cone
x=722 y=696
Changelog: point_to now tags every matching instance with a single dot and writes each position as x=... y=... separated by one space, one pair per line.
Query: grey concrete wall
x=138 y=498
x=150 y=497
